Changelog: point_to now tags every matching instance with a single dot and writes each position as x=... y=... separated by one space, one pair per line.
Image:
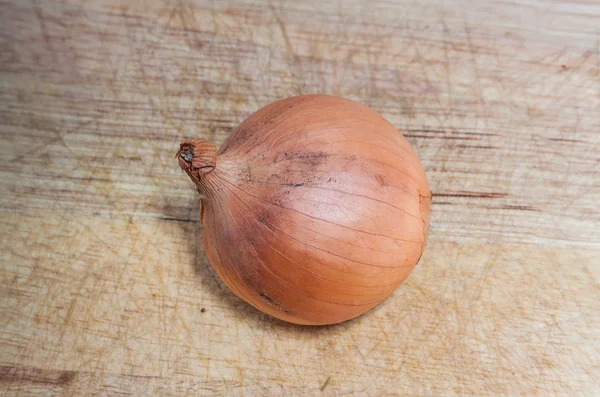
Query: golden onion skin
x=314 y=209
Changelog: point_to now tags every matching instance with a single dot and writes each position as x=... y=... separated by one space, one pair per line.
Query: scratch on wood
x=325 y=383
x=490 y=195
x=168 y=219
x=11 y=374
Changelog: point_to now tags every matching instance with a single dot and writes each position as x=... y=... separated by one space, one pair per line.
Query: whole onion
x=314 y=210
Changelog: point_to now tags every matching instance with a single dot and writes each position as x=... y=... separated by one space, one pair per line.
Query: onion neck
x=198 y=158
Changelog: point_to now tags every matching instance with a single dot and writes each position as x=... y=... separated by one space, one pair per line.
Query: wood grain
x=105 y=285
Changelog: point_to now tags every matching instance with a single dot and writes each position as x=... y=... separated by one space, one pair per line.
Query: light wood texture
x=103 y=274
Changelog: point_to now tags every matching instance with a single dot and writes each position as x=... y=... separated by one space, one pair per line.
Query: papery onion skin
x=314 y=210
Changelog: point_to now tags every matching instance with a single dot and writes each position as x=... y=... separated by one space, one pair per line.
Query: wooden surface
x=105 y=288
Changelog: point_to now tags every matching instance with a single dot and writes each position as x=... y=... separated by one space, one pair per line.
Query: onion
x=314 y=210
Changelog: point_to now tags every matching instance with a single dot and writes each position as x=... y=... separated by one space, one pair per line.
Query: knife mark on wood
x=164 y=218
x=490 y=195
x=442 y=137
x=477 y=147
x=325 y=384
x=296 y=59
x=518 y=207
x=11 y=374
x=440 y=131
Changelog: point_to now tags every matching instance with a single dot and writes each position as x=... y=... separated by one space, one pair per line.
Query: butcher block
x=105 y=287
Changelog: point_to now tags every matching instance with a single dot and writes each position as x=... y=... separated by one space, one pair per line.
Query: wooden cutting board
x=106 y=288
